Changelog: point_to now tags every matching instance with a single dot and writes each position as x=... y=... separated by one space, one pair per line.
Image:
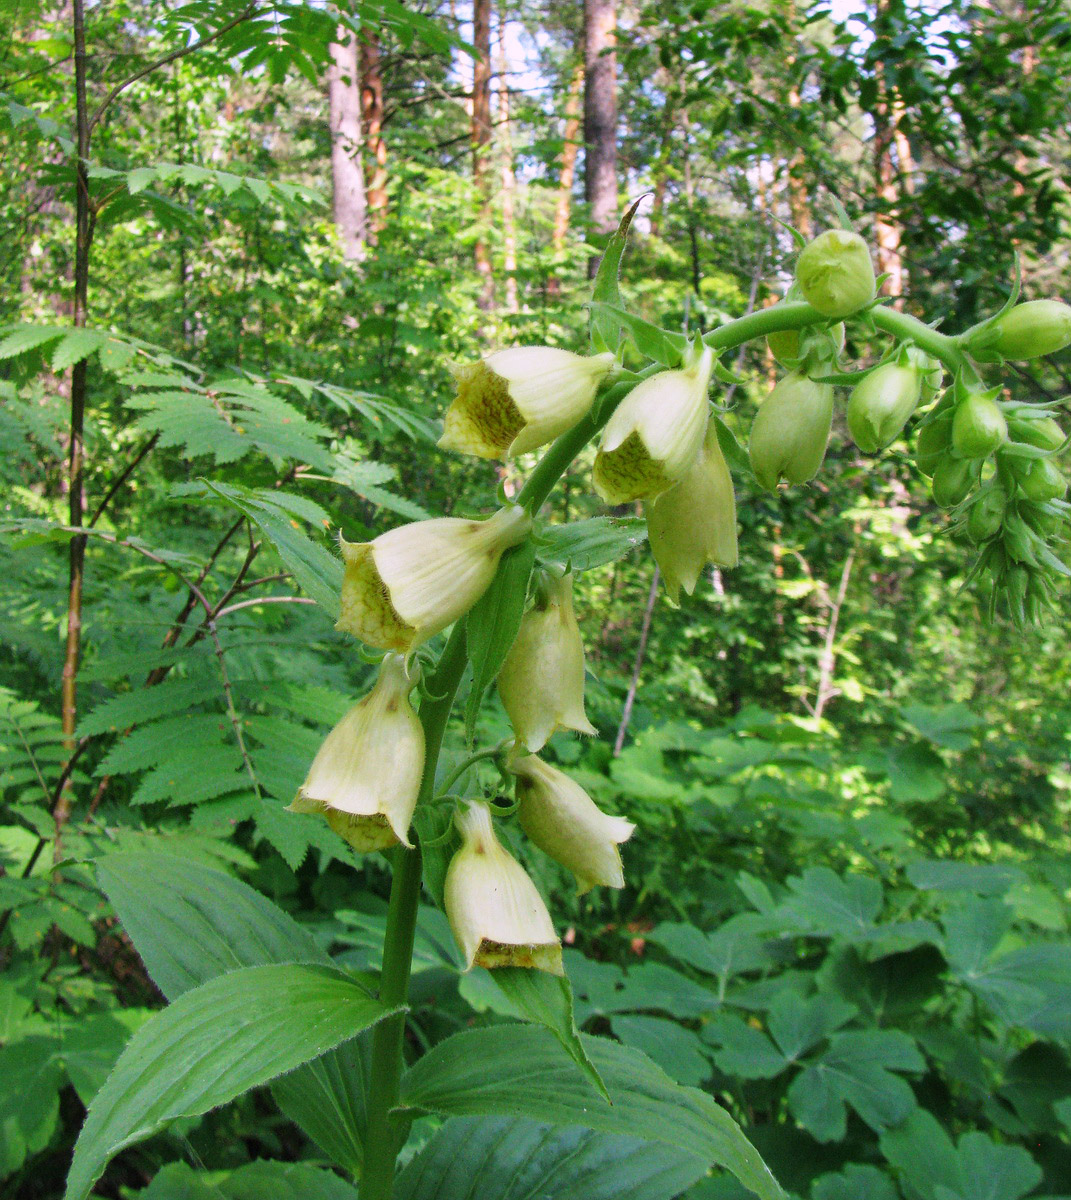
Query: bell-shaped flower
x=541 y=682
x=516 y=400
x=790 y=431
x=366 y=776
x=564 y=822
x=694 y=523
x=408 y=584
x=654 y=435
x=835 y=273
x=498 y=917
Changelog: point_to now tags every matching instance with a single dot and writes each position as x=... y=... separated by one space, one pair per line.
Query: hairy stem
x=383 y=1139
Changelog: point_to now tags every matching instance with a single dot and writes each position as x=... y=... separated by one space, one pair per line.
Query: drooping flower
x=790 y=431
x=408 y=584
x=541 y=682
x=564 y=822
x=496 y=912
x=653 y=437
x=365 y=777
x=516 y=400
x=694 y=523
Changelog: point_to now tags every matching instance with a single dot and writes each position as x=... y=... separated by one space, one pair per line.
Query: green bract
x=835 y=274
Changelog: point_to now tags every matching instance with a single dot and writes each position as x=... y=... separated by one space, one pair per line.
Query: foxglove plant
x=507 y=604
x=991 y=462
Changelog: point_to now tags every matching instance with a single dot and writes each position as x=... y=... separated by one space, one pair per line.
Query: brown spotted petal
x=516 y=400
x=496 y=912
x=655 y=434
x=408 y=584
x=366 y=776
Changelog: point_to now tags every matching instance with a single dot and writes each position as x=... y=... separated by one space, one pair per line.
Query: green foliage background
x=849 y=926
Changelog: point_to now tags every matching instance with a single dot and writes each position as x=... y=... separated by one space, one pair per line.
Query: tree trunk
x=508 y=177
x=567 y=173
x=600 y=116
x=887 y=228
x=481 y=140
x=347 y=174
x=372 y=112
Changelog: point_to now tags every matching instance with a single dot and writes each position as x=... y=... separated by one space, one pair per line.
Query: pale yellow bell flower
x=496 y=912
x=654 y=435
x=564 y=822
x=516 y=400
x=694 y=523
x=408 y=584
x=541 y=682
x=365 y=777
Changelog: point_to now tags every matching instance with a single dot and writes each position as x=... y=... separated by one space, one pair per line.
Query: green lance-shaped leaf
x=527 y=1160
x=492 y=624
x=660 y=345
x=234 y=1033
x=190 y=924
x=606 y=326
x=521 y=1069
x=548 y=999
x=255 y=1181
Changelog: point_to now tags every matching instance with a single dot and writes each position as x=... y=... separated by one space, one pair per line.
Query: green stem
x=471 y=761
x=907 y=328
x=382 y=1139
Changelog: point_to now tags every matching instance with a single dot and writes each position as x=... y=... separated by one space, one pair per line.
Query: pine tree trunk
x=347 y=174
x=567 y=172
x=481 y=141
x=508 y=176
x=600 y=116
x=887 y=228
x=372 y=112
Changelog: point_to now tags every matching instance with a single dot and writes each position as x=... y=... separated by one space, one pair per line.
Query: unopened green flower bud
x=1041 y=520
x=654 y=435
x=541 y=682
x=881 y=404
x=495 y=911
x=835 y=273
x=694 y=523
x=366 y=776
x=1025 y=331
x=564 y=822
x=987 y=513
x=790 y=431
x=1040 y=479
x=408 y=584
x=978 y=426
x=516 y=400
x=952 y=481
x=933 y=445
x=1044 y=433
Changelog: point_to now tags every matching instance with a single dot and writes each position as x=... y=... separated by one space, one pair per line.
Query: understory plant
x=456 y=600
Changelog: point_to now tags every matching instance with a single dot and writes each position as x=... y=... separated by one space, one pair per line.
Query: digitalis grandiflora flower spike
x=564 y=822
x=541 y=682
x=790 y=431
x=366 y=776
x=653 y=437
x=694 y=523
x=517 y=400
x=498 y=917
x=408 y=584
